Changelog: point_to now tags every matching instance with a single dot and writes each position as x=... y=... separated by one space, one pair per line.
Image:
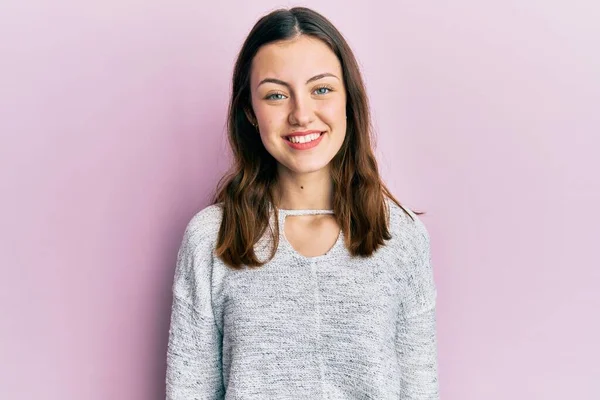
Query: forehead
x=299 y=58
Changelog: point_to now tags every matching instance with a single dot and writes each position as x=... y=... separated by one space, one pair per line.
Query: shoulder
x=195 y=256
x=207 y=219
x=411 y=247
x=203 y=227
x=407 y=226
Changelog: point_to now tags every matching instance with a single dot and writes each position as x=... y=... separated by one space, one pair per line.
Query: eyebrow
x=280 y=82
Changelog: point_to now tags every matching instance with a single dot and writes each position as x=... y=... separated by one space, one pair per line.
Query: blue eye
x=321 y=90
x=270 y=97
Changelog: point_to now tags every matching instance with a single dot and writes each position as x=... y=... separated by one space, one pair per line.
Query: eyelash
x=329 y=88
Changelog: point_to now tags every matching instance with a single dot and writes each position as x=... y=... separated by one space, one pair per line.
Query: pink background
x=112 y=118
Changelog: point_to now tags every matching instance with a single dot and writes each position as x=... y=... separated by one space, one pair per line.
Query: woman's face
x=297 y=87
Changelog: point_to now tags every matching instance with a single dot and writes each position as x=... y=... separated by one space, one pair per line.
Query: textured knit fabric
x=331 y=327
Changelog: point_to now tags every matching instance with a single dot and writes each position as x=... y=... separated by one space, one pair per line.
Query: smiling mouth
x=313 y=136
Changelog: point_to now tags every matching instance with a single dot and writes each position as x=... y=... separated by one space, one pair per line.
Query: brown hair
x=246 y=190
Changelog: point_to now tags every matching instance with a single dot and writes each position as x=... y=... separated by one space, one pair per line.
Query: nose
x=302 y=112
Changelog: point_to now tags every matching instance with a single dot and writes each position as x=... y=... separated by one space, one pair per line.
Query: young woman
x=306 y=278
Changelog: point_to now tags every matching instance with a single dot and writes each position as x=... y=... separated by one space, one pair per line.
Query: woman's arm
x=194 y=369
x=416 y=340
x=416 y=346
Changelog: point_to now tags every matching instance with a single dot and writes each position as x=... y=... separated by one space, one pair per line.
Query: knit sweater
x=331 y=327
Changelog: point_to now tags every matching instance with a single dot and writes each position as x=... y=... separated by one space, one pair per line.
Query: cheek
x=334 y=107
x=334 y=113
x=270 y=117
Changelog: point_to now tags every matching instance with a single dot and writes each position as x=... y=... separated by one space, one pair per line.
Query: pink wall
x=112 y=118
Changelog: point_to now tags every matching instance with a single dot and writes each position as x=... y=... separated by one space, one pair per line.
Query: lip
x=304 y=146
x=303 y=133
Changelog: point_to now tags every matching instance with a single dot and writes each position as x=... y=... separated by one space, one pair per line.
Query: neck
x=306 y=191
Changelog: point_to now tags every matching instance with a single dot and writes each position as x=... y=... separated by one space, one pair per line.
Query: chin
x=307 y=168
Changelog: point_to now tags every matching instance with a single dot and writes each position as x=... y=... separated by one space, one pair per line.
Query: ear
x=250 y=116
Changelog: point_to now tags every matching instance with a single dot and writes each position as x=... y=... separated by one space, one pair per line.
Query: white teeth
x=304 y=139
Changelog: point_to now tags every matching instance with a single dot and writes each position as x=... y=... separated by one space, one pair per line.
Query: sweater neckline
x=304 y=211
x=287 y=246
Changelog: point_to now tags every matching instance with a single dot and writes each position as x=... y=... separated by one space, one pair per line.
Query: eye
x=323 y=90
x=275 y=96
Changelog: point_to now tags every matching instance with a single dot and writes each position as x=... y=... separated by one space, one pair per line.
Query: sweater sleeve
x=416 y=342
x=194 y=346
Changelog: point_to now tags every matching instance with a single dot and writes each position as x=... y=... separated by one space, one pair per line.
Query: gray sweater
x=330 y=327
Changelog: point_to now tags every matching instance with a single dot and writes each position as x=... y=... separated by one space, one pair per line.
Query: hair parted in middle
x=246 y=191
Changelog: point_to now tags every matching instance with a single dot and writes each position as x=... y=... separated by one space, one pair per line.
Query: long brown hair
x=246 y=191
